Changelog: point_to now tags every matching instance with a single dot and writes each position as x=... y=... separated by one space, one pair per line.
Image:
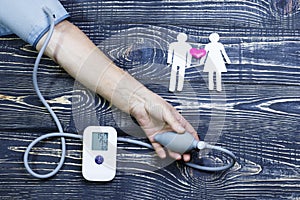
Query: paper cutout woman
x=179 y=57
x=214 y=61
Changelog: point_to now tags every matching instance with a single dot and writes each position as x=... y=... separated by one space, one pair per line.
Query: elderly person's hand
x=155 y=115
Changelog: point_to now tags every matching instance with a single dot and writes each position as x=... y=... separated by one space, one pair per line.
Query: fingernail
x=180 y=129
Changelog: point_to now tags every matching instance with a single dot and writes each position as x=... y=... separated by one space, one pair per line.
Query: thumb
x=175 y=121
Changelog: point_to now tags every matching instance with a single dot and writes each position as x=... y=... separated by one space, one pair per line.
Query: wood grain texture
x=256 y=116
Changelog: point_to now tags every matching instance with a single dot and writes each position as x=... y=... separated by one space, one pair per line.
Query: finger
x=186 y=157
x=173 y=121
x=174 y=155
x=189 y=128
x=159 y=150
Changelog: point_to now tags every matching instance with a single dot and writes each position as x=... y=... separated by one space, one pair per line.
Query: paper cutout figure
x=214 y=61
x=179 y=58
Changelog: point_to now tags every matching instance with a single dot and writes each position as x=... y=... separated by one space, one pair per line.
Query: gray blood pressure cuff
x=27 y=19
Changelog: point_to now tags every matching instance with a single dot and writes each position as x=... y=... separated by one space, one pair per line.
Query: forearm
x=73 y=50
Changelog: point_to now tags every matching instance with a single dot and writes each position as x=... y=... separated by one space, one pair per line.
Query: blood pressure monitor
x=99 y=153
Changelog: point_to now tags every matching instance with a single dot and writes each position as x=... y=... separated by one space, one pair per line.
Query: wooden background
x=256 y=116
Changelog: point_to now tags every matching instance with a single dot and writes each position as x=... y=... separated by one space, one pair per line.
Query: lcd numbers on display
x=99 y=141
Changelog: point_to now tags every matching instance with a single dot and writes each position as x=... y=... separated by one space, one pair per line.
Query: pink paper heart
x=197 y=53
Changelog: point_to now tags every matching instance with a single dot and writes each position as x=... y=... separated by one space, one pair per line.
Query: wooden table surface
x=256 y=116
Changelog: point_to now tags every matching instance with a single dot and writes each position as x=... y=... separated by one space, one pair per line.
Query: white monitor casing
x=99 y=160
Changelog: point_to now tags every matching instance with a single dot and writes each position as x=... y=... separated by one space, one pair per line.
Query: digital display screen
x=100 y=141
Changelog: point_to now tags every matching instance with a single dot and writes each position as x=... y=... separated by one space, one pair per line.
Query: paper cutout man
x=179 y=58
x=214 y=61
